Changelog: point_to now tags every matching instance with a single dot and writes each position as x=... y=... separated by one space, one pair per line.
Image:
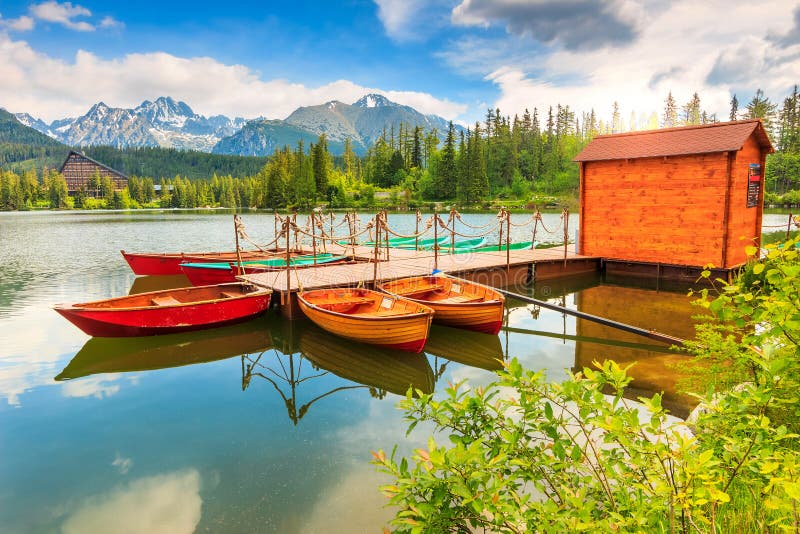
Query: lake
x=265 y=426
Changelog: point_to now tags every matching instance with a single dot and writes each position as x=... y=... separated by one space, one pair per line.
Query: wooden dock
x=491 y=268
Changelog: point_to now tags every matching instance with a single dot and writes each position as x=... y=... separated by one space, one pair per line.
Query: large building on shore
x=81 y=173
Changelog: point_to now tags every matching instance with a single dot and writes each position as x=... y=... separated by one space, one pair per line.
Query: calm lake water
x=260 y=427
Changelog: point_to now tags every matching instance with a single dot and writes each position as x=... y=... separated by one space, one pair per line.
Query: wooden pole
x=288 y=274
x=453 y=231
x=789 y=226
x=435 y=239
x=377 y=244
x=416 y=233
x=565 y=214
x=275 y=229
x=386 y=231
x=508 y=241
x=294 y=220
x=239 y=268
x=500 y=239
x=313 y=236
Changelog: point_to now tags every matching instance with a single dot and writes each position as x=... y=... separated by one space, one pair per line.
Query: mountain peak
x=373 y=100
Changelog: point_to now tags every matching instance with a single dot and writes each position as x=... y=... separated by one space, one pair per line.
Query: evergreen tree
x=670 y=112
x=760 y=107
x=691 y=111
x=321 y=161
x=416 y=152
x=734 y=108
x=446 y=173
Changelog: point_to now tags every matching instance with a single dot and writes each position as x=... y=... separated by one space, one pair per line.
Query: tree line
x=501 y=158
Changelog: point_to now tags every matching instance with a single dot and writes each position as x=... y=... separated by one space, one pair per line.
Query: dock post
x=435 y=239
x=288 y=274
x=508 y=242
x=313 y=236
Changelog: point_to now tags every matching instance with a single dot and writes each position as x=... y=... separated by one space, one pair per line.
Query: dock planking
x=403 y=263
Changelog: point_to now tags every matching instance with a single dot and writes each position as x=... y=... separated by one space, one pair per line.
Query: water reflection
x=120 y=355
x=289 y=354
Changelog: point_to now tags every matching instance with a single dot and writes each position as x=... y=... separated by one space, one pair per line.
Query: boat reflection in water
x=120 y=355
x=305 y=352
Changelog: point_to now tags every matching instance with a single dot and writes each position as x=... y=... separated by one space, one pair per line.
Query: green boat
x=465 y=245
x=522 y=245
x=403 y=242
x=273 y=262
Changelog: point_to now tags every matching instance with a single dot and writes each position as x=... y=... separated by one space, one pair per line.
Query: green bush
x=528 y=455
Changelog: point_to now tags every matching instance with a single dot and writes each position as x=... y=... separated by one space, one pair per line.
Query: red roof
x=701 y=139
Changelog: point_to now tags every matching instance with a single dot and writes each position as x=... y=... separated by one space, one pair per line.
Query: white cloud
x=110 y=22
x=52 y=88
x=396 y=16
x=677 y=50
x=169 y=503
x=412 y=20
x=63 y=14
x=20 y=24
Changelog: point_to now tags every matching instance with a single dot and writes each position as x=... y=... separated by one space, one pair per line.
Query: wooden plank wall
x=744 y=223
x=668 y=210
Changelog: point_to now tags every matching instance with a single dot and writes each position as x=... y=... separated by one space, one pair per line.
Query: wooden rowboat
x=204 y=274
x=369 y=317
x=457 y=302
x=156 y=263
x=171 y=310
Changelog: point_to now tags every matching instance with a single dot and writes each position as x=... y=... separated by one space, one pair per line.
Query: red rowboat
x=171 y=310
x=368 y=316
x=157 y=263
x=457 y=302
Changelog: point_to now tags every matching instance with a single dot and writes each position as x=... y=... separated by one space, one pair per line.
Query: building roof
x=700 y=139
x=84 y=156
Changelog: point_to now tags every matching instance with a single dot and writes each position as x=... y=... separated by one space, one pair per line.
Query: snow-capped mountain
x=163 y=122
x=363 y=122
x=168 y=123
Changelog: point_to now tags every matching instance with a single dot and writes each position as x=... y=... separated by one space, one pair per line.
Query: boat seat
x=415 y=289
x=229 y=295
x=165 y=301
x=343 y=300
x=460 y=299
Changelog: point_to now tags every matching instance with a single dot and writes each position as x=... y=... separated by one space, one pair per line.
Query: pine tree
x=321 y=163
x=670 y=112
x=760 y=107
x=734 y=108
x=616 y=120
x=446 y=173
x=416 y=151
x=691 y=111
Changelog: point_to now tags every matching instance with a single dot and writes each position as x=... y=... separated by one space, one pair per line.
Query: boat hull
x=164 y=319
x=403 y=332
x=484 y=314
x=157 y=264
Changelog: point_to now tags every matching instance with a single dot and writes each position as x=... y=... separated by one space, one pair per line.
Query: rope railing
x=490 y=223
x=446 y=226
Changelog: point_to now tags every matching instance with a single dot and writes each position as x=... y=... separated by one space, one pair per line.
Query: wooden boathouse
x=667 y=202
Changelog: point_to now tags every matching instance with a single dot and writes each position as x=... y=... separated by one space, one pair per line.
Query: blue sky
x=454 y=58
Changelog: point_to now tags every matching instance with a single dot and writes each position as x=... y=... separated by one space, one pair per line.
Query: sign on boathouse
x=688 y=196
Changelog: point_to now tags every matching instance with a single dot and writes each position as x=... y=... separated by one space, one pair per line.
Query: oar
x=652 y=334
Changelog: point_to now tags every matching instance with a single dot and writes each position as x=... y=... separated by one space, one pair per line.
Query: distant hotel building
x=79 y=169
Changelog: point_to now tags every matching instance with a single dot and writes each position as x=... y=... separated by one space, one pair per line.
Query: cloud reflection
x=99 y=387
x=168 y=503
